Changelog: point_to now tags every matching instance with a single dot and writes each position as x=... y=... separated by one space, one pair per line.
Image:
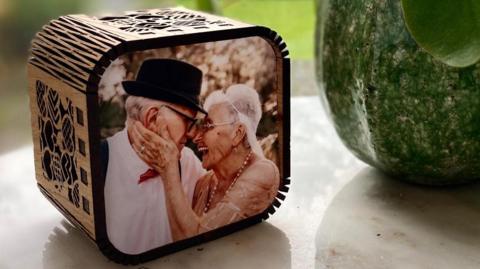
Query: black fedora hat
x=168 y=80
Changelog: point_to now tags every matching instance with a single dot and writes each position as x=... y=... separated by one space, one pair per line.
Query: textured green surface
x=449 y=30
x=393 y=105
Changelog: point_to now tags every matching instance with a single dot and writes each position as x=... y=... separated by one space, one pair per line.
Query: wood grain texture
x=71 y=51
x=76 y=49
x=68 y=58
x=56 y=136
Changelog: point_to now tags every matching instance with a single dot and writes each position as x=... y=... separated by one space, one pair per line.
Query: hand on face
x=155 y=147
x=177 y=118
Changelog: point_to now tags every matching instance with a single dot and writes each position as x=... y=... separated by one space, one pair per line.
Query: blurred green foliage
x=21 y=19
x=292 y=19
x=211 y=6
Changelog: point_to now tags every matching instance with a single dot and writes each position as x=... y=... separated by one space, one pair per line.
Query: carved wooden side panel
x=60 y=137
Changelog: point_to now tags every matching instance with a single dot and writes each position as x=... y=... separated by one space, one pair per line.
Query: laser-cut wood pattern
x=54 y=106
x=68 y=59
x=170 y=20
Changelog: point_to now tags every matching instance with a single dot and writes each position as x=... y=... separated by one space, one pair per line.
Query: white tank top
x=136 y=214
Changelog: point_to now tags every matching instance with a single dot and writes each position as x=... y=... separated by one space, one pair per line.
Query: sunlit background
x=21 y=19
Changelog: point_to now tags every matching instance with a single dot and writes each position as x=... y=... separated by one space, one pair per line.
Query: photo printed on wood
x=192 y=139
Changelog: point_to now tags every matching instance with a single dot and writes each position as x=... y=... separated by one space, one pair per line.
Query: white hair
x=244 y=105
x=247 y=101
x=135 y=106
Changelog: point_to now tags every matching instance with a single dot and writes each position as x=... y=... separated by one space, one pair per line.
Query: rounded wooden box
x=76 y=71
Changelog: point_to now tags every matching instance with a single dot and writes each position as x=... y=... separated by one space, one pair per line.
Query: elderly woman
x=240 y=181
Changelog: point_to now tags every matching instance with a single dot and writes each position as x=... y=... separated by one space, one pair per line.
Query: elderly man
x=164 y=92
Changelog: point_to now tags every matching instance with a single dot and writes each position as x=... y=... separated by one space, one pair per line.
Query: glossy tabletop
x=339 y=213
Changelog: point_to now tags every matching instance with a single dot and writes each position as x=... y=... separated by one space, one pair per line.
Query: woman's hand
x=156 y=149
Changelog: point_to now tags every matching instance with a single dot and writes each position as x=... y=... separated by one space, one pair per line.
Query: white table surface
x=339 y=213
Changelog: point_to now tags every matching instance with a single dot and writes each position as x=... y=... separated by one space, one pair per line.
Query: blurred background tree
x=249 y=61
x=21 y=19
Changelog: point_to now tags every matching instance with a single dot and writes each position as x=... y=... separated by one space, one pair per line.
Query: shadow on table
x=260 y=246
x=379 y=222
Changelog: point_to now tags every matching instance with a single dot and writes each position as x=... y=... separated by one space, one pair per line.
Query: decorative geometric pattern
x=57 y=140
x=152 y=22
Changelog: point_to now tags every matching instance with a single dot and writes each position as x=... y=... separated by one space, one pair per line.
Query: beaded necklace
x=239 y=172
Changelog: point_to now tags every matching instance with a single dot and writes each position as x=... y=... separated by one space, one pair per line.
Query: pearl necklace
x=239 y=172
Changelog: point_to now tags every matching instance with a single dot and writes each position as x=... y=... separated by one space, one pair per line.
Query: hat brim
x=138 y=88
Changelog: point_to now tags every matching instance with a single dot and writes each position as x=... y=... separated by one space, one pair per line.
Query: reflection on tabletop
x=68 y=248
x=378 y=222
x=33 y=232
x=338 y=214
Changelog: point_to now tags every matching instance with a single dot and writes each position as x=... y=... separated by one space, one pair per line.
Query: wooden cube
x=75 y=106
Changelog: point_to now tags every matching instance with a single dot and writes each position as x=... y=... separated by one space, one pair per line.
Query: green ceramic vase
x=393 y=105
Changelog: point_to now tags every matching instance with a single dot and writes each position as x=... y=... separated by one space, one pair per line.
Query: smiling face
x=217 y=141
